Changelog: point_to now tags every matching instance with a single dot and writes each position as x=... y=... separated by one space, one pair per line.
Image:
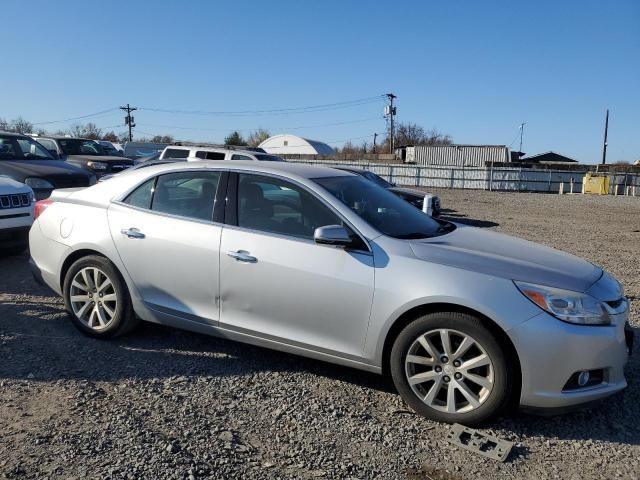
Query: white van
x=194 y=153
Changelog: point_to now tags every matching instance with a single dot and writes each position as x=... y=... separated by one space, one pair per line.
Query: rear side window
x=187 y=194
x=175 y=153
x=210 y=155
x=141 y=196
x=240 y=157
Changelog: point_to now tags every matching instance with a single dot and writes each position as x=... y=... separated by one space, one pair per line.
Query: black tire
x=503 y=377
x=124 y=320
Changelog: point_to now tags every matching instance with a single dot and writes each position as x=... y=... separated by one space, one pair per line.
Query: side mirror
x=332 y=235
x=54 y=154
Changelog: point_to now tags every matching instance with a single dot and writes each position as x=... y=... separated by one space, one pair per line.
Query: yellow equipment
x=595 y=183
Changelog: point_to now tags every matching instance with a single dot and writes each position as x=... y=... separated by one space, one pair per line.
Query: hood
x=21 y=169
x=508 y=257
x=101 y=158
x=9 y=185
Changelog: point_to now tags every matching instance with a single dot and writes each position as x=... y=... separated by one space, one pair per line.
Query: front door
x=165 y=235
x=277 y=282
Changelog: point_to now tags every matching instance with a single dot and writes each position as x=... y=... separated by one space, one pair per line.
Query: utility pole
x=604 y=143
x=375 y=135
x=521 y=135
x=390 y=110
x=128 y=120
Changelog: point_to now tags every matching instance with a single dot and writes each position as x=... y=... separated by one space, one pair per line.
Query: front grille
x=70 y=181
x=17 y=200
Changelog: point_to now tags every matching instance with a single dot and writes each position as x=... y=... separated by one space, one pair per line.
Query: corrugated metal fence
x=457 y=155
x=485 y=178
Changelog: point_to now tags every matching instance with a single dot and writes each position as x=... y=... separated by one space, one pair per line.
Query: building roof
x=549 y=156
x=288 y=143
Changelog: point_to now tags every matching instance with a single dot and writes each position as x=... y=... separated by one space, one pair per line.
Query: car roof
x=222 y=148
x=357 y=171
x=301 y=171
x=12 y=134
x=63 y=137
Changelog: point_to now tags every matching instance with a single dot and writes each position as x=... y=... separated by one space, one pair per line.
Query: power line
x=277 y=111
x=300 y=127
x=76 y=118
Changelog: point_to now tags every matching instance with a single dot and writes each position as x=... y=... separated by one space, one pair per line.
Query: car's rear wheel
x=450 y=368
x=97 y=298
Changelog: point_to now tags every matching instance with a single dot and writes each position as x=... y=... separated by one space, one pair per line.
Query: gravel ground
x=162 y=403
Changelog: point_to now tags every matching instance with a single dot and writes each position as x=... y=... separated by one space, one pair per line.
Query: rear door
x=168 y=238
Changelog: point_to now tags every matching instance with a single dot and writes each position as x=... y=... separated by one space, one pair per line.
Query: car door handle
x=132 y=233
x=242 y=256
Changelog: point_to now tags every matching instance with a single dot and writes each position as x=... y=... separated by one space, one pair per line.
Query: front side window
x=382 y=209
x=77 y=146
x=187 y=194
x=263 y=157
x=48 y=144
x=237 y=156
x=276 y=206
x=21 y=148
x=175 y=153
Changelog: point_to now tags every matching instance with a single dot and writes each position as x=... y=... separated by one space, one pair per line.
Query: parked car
x=327 y=264
x=110 y=148
x=26 y=161
x=226 y=152
x=424 y=201
x=84 y=153
x=16 y=215
x=151 y=161
x=139 y=150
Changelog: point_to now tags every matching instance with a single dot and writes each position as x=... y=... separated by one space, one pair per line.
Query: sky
x=473 y=70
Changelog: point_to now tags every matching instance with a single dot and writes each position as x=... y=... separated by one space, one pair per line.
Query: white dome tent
x=292 y=144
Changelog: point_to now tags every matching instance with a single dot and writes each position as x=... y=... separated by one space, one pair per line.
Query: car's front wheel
x=449 y=367
x=97 y=298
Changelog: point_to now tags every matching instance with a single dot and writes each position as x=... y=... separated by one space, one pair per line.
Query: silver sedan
x=327 y=264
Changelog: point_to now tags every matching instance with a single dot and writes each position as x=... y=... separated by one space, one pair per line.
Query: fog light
x=583 y=378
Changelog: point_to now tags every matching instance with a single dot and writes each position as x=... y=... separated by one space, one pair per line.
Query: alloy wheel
x=93 y=298
x=449 y=371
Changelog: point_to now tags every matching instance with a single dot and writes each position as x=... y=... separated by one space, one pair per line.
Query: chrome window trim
x=119 y=200
x=306 y=189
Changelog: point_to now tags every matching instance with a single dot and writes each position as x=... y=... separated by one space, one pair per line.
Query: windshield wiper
x=413 y=236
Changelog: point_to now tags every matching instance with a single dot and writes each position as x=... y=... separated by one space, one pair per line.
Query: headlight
x=38 y=183
x=97 y=165
x=566 y=305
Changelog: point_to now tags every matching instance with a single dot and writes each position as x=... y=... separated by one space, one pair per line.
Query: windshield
x=77 y=146
x=267 y=158
x=22 y=148
x=375 y=178
x=382 y=209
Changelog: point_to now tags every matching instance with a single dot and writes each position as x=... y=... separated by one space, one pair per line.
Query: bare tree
x=76 y=130
x=162 y=139
x=413 y=134
x=91 y=131
x=21 y=125
x=256 y=137
x=4 y=125
x=110 y=136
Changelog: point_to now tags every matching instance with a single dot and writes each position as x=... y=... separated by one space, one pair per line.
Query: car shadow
x=39 y=343
x=461 y=218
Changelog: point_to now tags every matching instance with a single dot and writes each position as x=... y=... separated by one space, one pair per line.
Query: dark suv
x=26 y=161
x=84 y=153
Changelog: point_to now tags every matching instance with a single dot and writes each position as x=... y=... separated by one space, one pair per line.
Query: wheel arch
x=81 y=253
x=417 y=311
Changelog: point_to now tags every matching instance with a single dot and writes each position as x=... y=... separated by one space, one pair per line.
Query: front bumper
x=14 y=237
x=551 y=351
